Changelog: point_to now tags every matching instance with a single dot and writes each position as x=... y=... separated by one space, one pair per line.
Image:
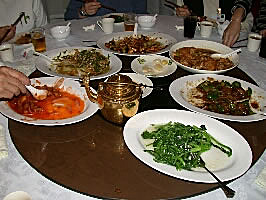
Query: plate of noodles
x=74 y=62
x=145 y=43
x=66 y=103
x=194 y=56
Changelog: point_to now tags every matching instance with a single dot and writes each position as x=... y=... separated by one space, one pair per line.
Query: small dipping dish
x=60 y=32
x=146 y=21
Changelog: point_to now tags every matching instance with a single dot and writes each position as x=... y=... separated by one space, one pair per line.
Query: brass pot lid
x=119 y=87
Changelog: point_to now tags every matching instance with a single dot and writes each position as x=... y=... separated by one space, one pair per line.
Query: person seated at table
x=11 y=9
x=239 y=10
x=10 y=35
x=12 y=82
x=77 y=9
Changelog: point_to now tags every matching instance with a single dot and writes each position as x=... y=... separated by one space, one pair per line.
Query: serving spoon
x=219 y=55
x=37 y=93
x=229 y=193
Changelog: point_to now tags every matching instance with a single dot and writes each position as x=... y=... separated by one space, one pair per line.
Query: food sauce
x=58 y=105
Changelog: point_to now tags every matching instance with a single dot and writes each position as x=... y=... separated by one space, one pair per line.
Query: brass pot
x=118 y=97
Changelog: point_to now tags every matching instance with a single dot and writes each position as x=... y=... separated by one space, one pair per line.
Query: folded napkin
x=261 y=179
x=179 y=28
x=91 y=27
x=3 y=145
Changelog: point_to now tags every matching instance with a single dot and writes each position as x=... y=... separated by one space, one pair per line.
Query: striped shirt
x=260 y=21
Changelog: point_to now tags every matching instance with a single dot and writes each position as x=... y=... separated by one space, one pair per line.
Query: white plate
x=163 y=38
x=138 y=78
x=119 y=14
x=234 y=166
x=71 y=86
x=205 y=44
x=44 y=66
x=178 y=90
x=147 y=60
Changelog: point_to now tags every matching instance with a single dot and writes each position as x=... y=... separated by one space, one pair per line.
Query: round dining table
x=90 y=160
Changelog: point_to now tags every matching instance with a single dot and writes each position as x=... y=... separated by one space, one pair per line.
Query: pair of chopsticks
x=12 y=25
x=103 y=6
x=172 y=6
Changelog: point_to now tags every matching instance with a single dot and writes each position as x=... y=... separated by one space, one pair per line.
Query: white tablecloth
x=17 y=175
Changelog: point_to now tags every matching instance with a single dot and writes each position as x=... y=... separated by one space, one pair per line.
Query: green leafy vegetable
x=181 y=145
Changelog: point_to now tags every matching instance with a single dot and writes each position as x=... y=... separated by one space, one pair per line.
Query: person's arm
x=232 y=32
x=79 y=10
x=12 y=82
x=10 y=35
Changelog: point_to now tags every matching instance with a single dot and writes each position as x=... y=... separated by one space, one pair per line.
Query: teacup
x=206 y=29
x=106 y=24
x=254 y=40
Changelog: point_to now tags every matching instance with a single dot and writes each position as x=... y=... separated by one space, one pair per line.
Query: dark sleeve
x=140 y=6
x=246 y=4
x=72 y=10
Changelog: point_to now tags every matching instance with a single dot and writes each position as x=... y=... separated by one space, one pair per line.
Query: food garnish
x=201 y=59
x=180 y=145
x=136 y=45
x=81 y=62
x=221 y=97
x=118 y=18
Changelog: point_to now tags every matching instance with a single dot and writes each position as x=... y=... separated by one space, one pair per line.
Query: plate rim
x=106 y=38
x=40 y=62
x=209 y=179
x=178 y=85
x=92 y=108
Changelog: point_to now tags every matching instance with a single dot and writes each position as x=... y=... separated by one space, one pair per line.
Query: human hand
x=91 y=7
x=10 y=35
x=231 y=33
x=12 y=82
x=183 y=11
x=263 y=33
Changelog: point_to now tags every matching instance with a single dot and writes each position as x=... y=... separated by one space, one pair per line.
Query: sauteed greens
x=180 y=145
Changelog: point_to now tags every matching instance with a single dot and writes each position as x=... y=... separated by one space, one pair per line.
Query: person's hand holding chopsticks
x=89 y=7
x=11 y=33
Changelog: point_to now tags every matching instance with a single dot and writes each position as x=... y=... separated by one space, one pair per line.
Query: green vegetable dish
x=180 y=145
x=81 y=62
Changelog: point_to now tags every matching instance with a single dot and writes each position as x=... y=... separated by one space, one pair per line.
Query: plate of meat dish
x=218 y=96
x=73 y=62
x=194 y=56
x=172 y=141
x=145 y=43
x=66 y=103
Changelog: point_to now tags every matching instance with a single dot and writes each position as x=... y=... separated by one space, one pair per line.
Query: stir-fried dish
x=221 y=97
x=180 y=145
x=136 y=45
x=199 y=58
x=59 y=104
x=81 y=62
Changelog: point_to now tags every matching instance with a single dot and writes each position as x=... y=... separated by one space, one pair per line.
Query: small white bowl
x=146 y=21
x=60 y=32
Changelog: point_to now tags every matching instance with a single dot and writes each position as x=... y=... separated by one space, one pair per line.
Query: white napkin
x=3 y=145
x=261 y=179
x=91 y=27
x=179 y=28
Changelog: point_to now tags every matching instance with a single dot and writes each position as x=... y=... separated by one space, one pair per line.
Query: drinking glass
x=38 y=39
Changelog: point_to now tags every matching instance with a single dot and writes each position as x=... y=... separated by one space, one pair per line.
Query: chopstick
x=169 y=6
x=12 y=25
x=241 y=40
x=103 y=6
x=175 y=5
